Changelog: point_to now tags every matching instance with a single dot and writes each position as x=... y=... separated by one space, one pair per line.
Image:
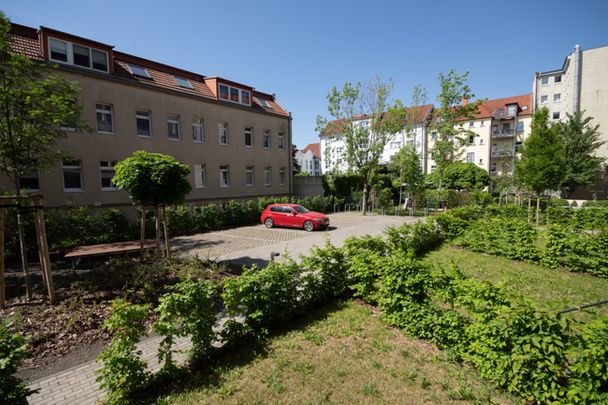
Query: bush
x=124 y=372
x=12 y=353
x=415 y=239
x=577 y=250
x=363 y=256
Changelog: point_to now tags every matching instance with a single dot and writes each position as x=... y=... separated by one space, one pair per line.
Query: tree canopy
x=465 y=176
x=406 y=170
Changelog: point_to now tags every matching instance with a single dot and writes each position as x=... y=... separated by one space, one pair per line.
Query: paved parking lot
x=253 y=244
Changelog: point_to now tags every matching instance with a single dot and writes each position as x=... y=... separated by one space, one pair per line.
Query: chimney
x=465 y=101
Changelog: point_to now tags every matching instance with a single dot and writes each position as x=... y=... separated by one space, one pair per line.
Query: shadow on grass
x=210 y=375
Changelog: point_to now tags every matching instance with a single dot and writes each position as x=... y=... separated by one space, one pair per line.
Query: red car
x=294 y=216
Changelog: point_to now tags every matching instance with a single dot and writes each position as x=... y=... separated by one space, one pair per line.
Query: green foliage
x=587 y=218
x=413 y=239
x=124 y=372
x=325 y=274
x=342 y=185
x=153 y=178
x=12 y=352
x=405 y=168
x=363 y=256
x=465 y=176
x=186 y=311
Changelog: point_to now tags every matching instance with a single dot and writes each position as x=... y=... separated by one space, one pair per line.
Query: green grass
x=341 y=354
x=548 y=289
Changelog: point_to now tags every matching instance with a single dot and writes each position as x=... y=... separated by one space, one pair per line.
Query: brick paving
x=242 y=245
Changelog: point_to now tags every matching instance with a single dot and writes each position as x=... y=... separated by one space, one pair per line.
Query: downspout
x=536 y=79
x=578 y=71
x=290 y=157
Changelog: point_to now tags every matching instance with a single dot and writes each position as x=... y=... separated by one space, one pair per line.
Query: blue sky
x=300 y=49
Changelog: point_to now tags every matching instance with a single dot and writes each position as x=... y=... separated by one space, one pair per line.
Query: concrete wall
x=308 y=186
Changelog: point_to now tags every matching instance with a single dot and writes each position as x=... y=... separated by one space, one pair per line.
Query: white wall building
x=309 y=159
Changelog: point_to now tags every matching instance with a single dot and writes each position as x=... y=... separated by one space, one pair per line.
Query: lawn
x=344 y=353
x=549 y=289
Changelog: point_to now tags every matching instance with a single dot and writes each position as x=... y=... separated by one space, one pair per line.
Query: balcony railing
x=502 y=153
x=493 y=173
x=503 y=114
x=505 y=133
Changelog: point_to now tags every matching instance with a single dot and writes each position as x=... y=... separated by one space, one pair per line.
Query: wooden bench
x=103 y=249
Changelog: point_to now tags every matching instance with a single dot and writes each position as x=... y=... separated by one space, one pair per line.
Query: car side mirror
x=294 y=213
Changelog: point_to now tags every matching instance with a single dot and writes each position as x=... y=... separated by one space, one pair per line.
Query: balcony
x=504 y=114
x=493 y=173
x=505 y=133
x=502 y=153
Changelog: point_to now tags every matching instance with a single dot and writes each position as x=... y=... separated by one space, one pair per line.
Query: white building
x=333 y=145
x=309 y=159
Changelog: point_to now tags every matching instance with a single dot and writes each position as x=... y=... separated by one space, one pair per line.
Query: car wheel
x=309 y=226
x=268 y=222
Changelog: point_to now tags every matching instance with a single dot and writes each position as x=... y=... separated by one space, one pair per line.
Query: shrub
x=123 y=372
x=415 y=239
x=180 y=220
x=363 y=256
x=577 y=250
x=12 y=353
x=328 y=266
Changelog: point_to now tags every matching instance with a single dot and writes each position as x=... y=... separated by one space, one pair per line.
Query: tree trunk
x=166 y=233
x=22 y=244
x=365 y=198
x=537 y=211
x=142 y=233
x=157 y=229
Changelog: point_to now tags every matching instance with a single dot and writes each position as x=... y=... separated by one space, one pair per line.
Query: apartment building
x=493 y=134
x=581 y=84
x=333 y=144
x=309 y=159
x=235 y=139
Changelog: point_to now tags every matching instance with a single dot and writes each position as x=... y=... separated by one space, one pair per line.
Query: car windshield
x=300 y=210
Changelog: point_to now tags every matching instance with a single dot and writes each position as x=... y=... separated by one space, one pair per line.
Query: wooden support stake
x=2 y=279
x=142 y=233
x=167 y=244
x=43 y=249
x=157 y=229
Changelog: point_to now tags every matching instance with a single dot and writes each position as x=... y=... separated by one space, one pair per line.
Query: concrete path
x=243 y=245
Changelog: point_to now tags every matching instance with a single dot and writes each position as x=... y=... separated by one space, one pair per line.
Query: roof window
x=264 y=103
x=182 y=82
x=139 y=71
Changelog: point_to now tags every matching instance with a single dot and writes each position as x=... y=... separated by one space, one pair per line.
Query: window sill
x=249 y=146
x=110 y=189
x=198 y=141
x=106 y=133
x=144 y=136
x=73 y=190
x=224 y=186
x=174 y=139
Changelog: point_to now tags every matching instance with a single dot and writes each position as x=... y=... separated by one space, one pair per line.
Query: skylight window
x=264 y=103
x=181 y=82
x=139 y=71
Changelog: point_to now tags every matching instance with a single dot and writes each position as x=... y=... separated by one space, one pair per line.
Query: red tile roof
x=315 y=148
x=26 y=41
x=489 y=107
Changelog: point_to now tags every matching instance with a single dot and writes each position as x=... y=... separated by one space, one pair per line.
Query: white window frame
x=225 y=169
x=553 y=115
x=546 y=99
x=268 y=176
x=248 y=131
x=230 y=88
x=173 y=119
x=70 y=55
x=281 y=141
x=282 y=176
x=198 y=124
x=470 y=157
x=222 y=132
x=104 y=111
x=557 y=97
x=143 y=115
x=265 y=137
x=542 y=79
x=65 y=167
x=249 y=171
x=109 y=167
x=200 y=175
x=33 y=174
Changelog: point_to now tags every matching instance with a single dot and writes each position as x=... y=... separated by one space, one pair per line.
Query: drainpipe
x=289 y=159
x=578 y=71
x=536 y=79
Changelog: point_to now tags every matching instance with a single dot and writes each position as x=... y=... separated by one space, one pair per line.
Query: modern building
x=235 y=139
x=309 y=159
x=493 y=134
x=333 y=143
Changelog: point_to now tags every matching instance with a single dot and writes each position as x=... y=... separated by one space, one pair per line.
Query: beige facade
x=234 y=150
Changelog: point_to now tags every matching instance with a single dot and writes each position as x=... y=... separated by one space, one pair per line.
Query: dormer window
x=139 y=71
x=185 y=83
x=78 y=55
x=234 y=94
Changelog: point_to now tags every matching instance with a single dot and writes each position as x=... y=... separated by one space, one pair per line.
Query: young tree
x=581 y=140
x=407 y=172
x=541 y=166
x=35 y=106
x=348 y=108
x=465 y=176
x=156 y=180
x=453 y=109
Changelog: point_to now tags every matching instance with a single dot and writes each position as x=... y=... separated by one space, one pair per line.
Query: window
x=104 y=118
x=29 y=181
x=543 y=99
x=471 y=139
x=544 y=80
x=482 y=123
x=434 y=136
x=480 y=161
x=198 y=133
x=471 y=157
x=225 y=176
x=395 y=145
x=557 y=79
x=512 y=110
x=181 y=82
x=471 y=123
x=139 y=71
x=481 y=141
x=72 y=175
x=249 y=176
x=200 y=175
x=519 y=127
x=106 y=169
x=173 y=126
x=234 y=94
x=264 y=103
x=282 y=175
x=143 y=123
x=266 y=139
x=495 y=129
x=222 y=133
x=267 y=176
x=78 y=55
x=249 y=137
x=557 y=97
x=327 y=164
x=556 y=115
x=281 y=141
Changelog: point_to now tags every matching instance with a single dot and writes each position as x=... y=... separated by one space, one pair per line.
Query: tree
x=453 y=109
x=153 y=179
x=296 y=169
x=465 y=176
x=407 y=172
x=349 y=108
x=581 y=140
x=36 y=105
x=542 y=163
